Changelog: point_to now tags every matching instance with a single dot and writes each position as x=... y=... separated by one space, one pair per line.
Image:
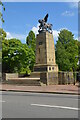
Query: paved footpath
x=67 y=89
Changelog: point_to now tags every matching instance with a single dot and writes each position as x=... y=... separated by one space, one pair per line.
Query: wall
x=65 y=78
x=7 y=76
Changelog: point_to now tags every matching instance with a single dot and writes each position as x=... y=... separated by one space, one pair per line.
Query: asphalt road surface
x=39 y=105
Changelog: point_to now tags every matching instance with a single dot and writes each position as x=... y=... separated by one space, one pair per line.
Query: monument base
x=48 y=73
x=49 y=78
x=46 y=68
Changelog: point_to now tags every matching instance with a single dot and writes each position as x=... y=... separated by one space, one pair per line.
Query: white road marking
x=2 y=101
x=54 y=106
x=24 y=78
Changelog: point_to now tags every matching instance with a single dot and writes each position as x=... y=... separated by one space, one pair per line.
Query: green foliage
x=79 y=47
x=31 y=40
x=0 y=56
x=66 y=50
x=79 y=52
x=2 y=37
x=1 y=15
x=2 y=34
x=16 y=57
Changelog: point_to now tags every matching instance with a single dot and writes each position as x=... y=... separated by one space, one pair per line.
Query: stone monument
x=45 y=54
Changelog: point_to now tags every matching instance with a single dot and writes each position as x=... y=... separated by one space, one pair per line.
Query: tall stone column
x=45 y=58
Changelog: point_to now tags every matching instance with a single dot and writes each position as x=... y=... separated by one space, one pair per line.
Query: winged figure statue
x=44 y=26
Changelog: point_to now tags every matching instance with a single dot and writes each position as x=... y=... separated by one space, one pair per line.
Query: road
x=39 y=105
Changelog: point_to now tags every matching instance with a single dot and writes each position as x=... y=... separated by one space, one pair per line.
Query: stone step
x=24 y=81
x=32 y=75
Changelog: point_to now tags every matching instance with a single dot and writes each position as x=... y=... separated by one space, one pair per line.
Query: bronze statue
x=44 y=26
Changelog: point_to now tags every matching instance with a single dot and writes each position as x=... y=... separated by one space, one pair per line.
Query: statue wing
x=45 y=18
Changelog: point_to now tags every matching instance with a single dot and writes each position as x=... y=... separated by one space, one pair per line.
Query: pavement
x=60 y=89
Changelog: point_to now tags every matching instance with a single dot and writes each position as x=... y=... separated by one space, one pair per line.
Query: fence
x=68 y=77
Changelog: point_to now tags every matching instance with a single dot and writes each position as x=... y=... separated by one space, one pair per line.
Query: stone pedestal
x=45 y=58
x=49 y=78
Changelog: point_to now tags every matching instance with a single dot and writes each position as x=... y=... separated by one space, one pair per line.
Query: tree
x=9 y=55
x=78 y=42
x=1 y=15
x=79 y=47
x=2 y=34
x=31 y=40
x=66 y=50
x=31 y=43
x=2 y=37
x=1 y=30
x=16 y=57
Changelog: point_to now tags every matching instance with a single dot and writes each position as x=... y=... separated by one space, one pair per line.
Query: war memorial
x=45 y=69
x=45 y=54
